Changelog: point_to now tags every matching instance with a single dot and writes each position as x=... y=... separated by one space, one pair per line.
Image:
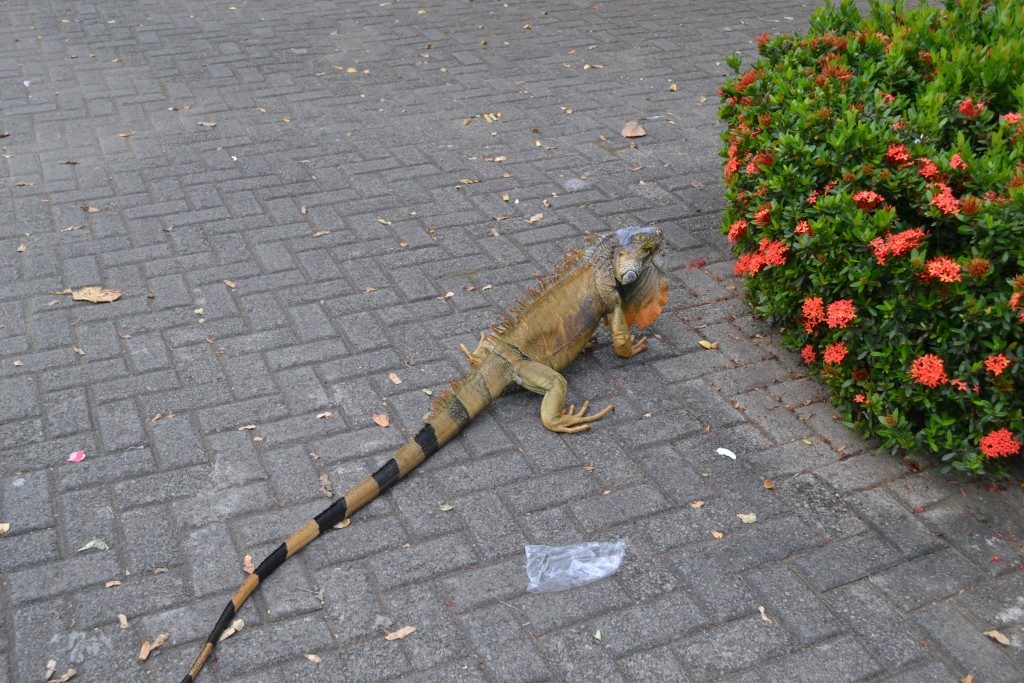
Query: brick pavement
x=356 y=147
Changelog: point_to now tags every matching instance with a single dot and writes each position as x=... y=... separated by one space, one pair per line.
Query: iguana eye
x=628 y=277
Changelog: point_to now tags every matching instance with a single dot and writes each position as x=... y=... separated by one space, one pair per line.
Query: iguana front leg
x=541 y=379
x=626 y=345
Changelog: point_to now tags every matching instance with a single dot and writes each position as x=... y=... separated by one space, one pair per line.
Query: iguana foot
x=576 y=421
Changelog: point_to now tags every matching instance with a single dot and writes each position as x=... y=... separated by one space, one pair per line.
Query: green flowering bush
x=875 y=179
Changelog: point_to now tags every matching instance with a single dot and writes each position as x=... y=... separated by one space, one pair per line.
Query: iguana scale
x=614 y=281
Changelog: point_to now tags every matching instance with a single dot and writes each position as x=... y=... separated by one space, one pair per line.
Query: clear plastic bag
x=553 y=569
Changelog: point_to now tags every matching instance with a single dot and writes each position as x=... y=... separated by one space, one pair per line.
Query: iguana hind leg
x=541 y=379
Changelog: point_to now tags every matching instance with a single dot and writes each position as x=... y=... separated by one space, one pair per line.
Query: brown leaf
x=79 y=350
x=747 y=517
x=325 y=416
x=231 y=630
x=73 y=227
x=247 y=564
x=381 y=420
x=633 y=129
x=123 y=620
x=71 y=673
x=395 y=379
x=144 y=651
x=696 y=504
x=313 y=658
x=673 y=87
x=51 y=668
x=716 y=534
x=246 y=428
x=769 y=484
x=708 y=345
x=112 y=583
x=969 y=678
x=325 y=485
x=343 y=523
x=998 y=637
x=400 y=633
x=96 y=295
x=230 y=284
x=89 y=209
x=4 y=527
x=764 y=617
x=126 y=134
x=22 y=247
x=321 y=233
x=534 y=218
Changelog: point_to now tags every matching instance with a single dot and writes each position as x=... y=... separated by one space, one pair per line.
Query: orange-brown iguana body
x=614 y=281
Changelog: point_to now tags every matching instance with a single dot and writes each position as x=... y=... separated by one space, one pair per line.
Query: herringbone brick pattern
x=286 y=194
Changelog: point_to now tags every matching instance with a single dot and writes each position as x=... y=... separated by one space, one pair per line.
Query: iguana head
x=642 y=285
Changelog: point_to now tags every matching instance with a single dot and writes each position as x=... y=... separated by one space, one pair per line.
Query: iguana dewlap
x=614 y=281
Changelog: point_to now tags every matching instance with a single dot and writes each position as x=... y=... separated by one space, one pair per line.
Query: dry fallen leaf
x=394 y=378
x=381 y=420
x=325 y=416
x=160 y=640
x=231 y=630
x=998 y=637
x=94 y=544
x=126 y=134
x=445 y=507
x=247 y=564
x=51 y=668
x=89 y=209
x=207 y=124
x=708 y=345
x=230 y=283
x=326 y=487
x=321 y=233
x=400 y=633
x=144 y=651
x=245 y=428
x=673 y=87
x=716 y=534
x=633 y=129
x=123 y=620
x=534 y=218
x=343 y=523
x=112 y=583
x=4 y=527
x=696 y=504
x=764 y=617
x=96 y=295
x=313 y=658
x=769 y=484
x=747 y=518
x=22 y=247
x=383 y=221
x=969 y=678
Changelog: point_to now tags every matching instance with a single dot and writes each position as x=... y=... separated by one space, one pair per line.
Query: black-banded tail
x=449 y=415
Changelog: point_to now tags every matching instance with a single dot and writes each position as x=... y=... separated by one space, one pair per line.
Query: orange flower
x=763 y=215
x=840 y=313
x=971 y=110
x=957 y=161
x=943 y=269
x=814 y=313
x=997 y=363
x=803 y=228
x=835 y=353
x=898 y=155
x=867 y=199
x=807 y=353
x=944 y=200
x=737 y=230
x=929 y=371
x=999 y=443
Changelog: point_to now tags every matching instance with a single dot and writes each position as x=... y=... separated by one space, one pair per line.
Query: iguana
x=614 y=281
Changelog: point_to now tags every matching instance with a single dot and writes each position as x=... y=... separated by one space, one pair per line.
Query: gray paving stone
x=970 y=651
x=491 y=630
x=887 y=633
x=841 y=562
x=791 y=601
x=903 y=530
x=842 y=659
x=926 y=579
x=729 y=648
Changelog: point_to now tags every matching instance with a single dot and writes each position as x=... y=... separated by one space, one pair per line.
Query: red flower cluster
x=814 y=313
x=840 y=313
x=769 y=253
x=1016 y=304
x=803 y=228
x=867 y=199
x=928 y=169
x=957 y=161
x=763 y=215
x=737 y=230
x=943 y=269
x=896 y=245
x=999 y=443
x=898 y=155
x=1011 y=118
x=807 y=353
x=971 y=110
x=997 y=363
x=928 y=370
x=759 y=160
x=835 y=353
x=944 y=199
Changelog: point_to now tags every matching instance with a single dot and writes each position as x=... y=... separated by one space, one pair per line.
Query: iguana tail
x=452 y=411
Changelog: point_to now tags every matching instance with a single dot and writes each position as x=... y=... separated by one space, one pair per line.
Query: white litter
x=727 y=453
